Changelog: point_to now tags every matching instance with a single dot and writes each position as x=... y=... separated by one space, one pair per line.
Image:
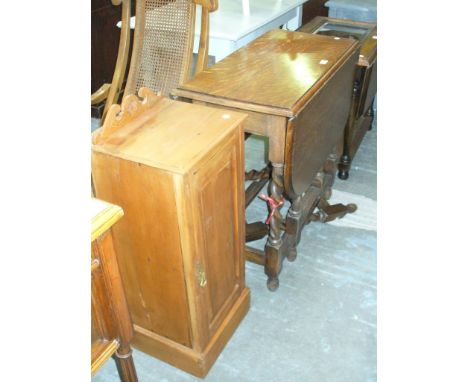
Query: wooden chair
x=111 y=91
x=162 y=45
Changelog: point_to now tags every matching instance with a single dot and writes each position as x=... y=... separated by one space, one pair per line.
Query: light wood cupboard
x=178 y=172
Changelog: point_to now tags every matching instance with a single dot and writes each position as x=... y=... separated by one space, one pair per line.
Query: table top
x=365 y=32
x=166 y=134
x=235 y=19
x=103 y=216
x=276 y=73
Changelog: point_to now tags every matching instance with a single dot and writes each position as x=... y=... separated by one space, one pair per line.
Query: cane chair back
x=163 y=44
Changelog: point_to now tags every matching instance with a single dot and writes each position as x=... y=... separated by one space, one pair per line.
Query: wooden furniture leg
x=371 y=113
x=273 y=260
x=327 y=212
x=125 y=366
x=345 y=160
x=294 y=226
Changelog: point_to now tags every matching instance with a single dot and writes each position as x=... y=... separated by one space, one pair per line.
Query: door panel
x=217 y=206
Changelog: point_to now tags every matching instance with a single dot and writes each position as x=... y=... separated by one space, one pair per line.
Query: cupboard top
x=169 y=135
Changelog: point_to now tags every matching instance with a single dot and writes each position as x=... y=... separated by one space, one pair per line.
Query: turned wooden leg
x=344 y=166
x=273 y=245
x=294 y=226
x=371 y=113
x=325 y=211
x=125 y=366
x=345 y=161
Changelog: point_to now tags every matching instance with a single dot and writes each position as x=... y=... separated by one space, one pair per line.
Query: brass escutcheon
x=201 y=275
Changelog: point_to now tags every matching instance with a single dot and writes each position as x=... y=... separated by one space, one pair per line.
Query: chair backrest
x=111 y=92
x=163 y=43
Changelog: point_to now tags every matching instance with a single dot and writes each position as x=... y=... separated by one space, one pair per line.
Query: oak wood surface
x=368 y=89
x=177 y=170
x=276 y=73
x=317 y=130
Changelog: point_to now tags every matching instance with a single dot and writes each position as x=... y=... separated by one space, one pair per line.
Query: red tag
x=273 y=205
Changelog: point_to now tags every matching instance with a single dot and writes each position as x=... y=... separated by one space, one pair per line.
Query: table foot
x=328 y=212
x=292 y=254
x=343 y=174
x=273 y=284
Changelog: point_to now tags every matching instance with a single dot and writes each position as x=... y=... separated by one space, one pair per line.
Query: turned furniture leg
x=344 y=166
x=345 y=161
x=273 y=258
x=125 y=366
x=371 y=113
x=294 y=226
x=327 y=212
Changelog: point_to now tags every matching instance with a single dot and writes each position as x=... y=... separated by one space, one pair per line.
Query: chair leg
x=125 y=366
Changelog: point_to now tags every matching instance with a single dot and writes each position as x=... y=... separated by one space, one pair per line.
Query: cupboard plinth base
x=187 y=359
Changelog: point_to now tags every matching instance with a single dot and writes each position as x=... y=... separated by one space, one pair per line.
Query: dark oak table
x=296 y=89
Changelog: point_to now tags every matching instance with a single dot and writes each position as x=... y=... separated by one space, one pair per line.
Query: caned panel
x=147 y=244
x=163 y=45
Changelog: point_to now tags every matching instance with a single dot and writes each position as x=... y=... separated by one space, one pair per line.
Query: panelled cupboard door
x=216 y=259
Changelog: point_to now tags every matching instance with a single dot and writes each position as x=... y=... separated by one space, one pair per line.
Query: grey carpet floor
x=320 y=325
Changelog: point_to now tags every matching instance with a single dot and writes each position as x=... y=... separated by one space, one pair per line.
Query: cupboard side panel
x=147 y=244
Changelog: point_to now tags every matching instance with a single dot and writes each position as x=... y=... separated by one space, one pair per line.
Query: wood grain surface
x=312 y=136
x=276 y=73
x=177 y=170
x=139 y=140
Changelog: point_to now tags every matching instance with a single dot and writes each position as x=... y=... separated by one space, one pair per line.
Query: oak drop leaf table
x=296 y=89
